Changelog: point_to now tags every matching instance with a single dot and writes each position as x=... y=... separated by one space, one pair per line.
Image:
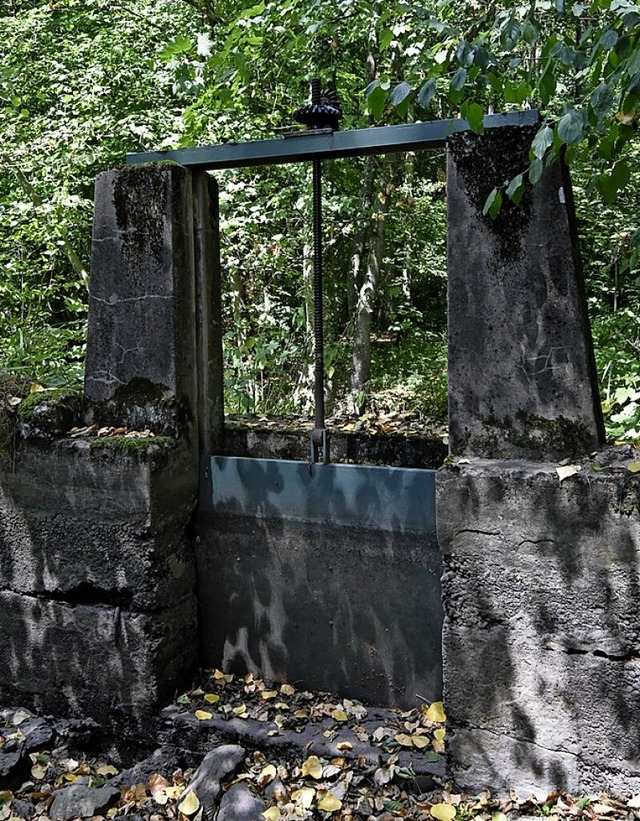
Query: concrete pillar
x=141 y=348
x=521 y=370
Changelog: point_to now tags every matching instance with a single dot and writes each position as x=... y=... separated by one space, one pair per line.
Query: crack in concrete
x=520 y=739
x=118 y=301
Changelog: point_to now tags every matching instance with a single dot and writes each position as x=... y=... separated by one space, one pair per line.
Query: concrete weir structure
x=127 y=562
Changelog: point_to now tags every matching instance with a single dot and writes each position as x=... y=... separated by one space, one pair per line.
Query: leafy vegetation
x=83 y=82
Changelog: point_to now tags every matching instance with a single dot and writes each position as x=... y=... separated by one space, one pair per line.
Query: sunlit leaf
x=313 y=767
x=272 y=814
x=435 y=712
x=329 y=803
x=565 y=471
x=339 y=715
x=287 y=689
x=304 y=796
x=211 y=698
x=443 y=812
x=190 y=804
x=203 y=715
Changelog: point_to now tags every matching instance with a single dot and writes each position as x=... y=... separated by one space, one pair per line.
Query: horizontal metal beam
x=325 y=146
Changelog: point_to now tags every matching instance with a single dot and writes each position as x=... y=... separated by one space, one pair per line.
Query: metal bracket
x=319 y=445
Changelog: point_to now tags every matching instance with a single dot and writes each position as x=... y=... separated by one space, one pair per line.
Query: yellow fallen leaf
x=203 y=715
x=35 y=387
x=420 y=741
x=443 y=812
x=174 y=792
x=404 y=740
x=436 y=712
x=439 y=734
x=339 y=715
x=107 y=770
x=344 y=745
x=267 y=775
x=564 y=471
x=211 y=698
x=272 y=814
x=190 y=804
x=304 y=796
x=287 y=689
x=240 y=710
x=634 y=467
x=267 y=694
x=312 y=767
x=329 y=803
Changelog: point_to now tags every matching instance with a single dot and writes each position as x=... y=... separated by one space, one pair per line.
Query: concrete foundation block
x=541 y=635
x=99 y=661
x=95 y=525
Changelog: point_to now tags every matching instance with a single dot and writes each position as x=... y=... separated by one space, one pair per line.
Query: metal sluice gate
x=294 y=489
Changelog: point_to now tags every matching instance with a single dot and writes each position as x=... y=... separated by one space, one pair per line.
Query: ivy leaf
x=474 y=115
x=400 y=93
x=571 y=126
x=493 y=204
x=515 y=189
x=535 y=171
x=510 y=34
x=601 y=100
x=459 y=79
x=427 y=93
x=542 y=141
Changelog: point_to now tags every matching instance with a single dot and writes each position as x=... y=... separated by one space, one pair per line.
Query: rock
x=37 y=734
x=240 y=804
x=164 y=760
x=23 y=809
x=11 y=764
x=216 y=766
x=80 y=801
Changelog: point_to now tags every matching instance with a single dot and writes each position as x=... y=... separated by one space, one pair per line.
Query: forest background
x=83 y=82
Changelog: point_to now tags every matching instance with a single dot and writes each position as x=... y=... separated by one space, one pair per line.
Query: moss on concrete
x=130 y=444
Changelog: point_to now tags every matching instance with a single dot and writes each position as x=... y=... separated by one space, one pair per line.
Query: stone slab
x=541 y=635
x=344 y=609
x=103 y=662
x=522 y=378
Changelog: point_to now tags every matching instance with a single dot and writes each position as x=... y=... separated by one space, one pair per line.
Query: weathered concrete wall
x=346 y=609
x=541 y=637
x=97 y=578
x=521 y=370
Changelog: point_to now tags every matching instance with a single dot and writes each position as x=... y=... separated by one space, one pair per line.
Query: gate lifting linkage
x=321 y=116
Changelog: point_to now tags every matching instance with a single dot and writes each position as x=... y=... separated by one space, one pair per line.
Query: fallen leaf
x=240 y=710
x=287 y=689
x=344 y=745
x=190 y=804
x=443 y=812
x=435 y=712
x=564 y=471
x=420 y=741
x=304 y=796
x=329 y=803
x=312 y=767
x=203 y=715
x=339 y=715
x=634 y=467
x=272 y=814
x=107 y=770
x=211 y=698
x=404 y=740
x=267 y=694
x=267 y=775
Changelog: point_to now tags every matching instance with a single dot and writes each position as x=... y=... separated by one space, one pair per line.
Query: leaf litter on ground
x=304 y=786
